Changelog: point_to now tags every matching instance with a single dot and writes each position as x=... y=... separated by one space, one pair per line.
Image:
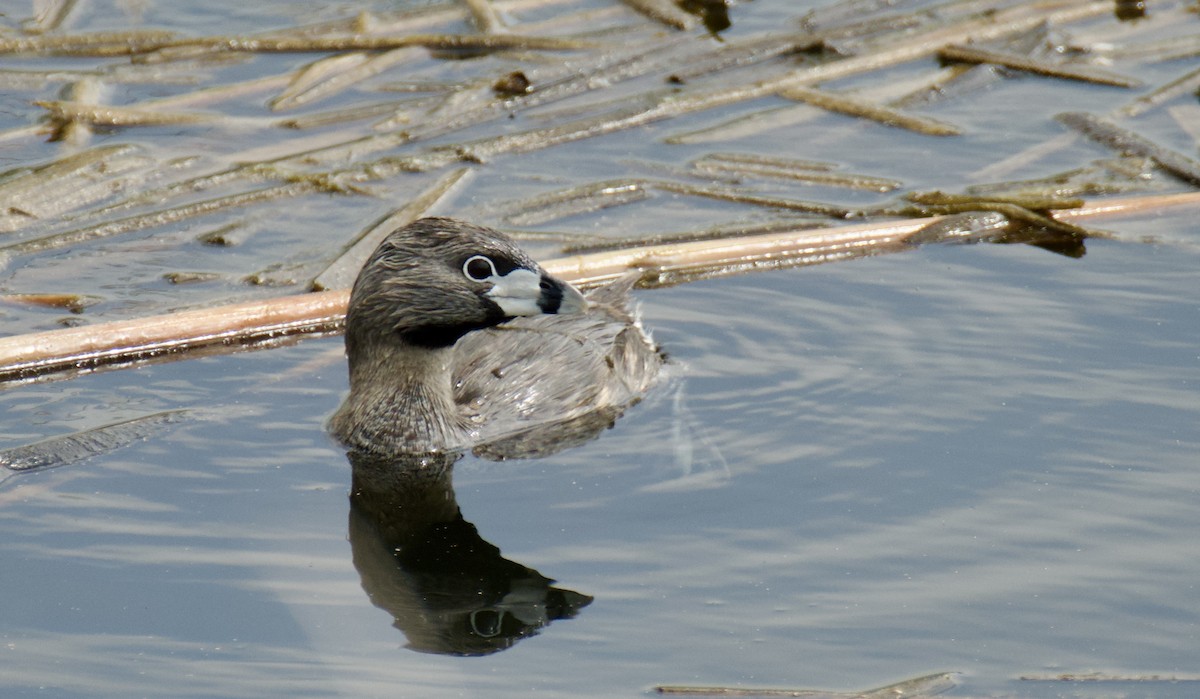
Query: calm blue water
x=979 y=459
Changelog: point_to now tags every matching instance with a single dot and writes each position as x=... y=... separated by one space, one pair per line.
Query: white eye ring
x=472 y=267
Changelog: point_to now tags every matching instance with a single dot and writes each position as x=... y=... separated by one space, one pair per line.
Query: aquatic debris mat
x=136 y=132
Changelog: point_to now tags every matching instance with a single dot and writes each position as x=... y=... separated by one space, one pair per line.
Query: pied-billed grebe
x=458 y=340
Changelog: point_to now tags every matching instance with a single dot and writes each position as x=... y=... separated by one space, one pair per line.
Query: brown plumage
x=439 y=360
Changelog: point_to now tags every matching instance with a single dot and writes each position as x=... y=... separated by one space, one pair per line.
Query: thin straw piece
x=346 y=77
x=484 y=16
x=365 y=42
x=112 y=115
x=160 y=218
x=971 y=54
x=1188 y=82
x=1000 y=24
x=130 y=41
x=49 y=16
x=867 y=110
x=1129 y=143
x=663 y=11
x=915 y=688
x=77 y=446
x=315 y=73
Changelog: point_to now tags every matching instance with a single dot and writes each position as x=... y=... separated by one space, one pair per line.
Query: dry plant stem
x=936 y=198
x=721 y=231
x=663 y=11
x=159 y=218
x=867 y=110
x=701 y=691
x=831 y=179
x=127 y=42
x=738 y=54
x=217 y=93
x=963 y=77
x=916 y=688
x=71 y=448
x=336 y=116
x=786 y=164
x=365 y=42
x=629 y=64
x=970 y=54
x=484 y=16
x=406 y=20
x=603 y=195
x=1187 y=82
x=1171 y=49
x=340 y=274
x=235 y=324
x=315 y=73
x=1003 y=23
x=69 y=183
x=921 y=44
x=725 y=194
x=297 y=95
x=1098 y=677
x=49 y=17
x=36 y=180
x=1128 y=143
x=108 y=115
x=124 y=341
x=614 y=192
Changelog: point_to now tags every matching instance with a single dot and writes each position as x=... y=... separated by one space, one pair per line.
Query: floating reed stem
x=971 y=54
x=111 y=115
x=926 y=686
x=27 y=356
x=366 y=42
x=663 y=11
x=96 y=44
x=867 y=110
x=1127 y=142
x=484 y=16
x=1188 y=82
x=159 y=218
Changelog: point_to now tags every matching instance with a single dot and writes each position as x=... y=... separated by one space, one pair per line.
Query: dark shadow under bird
x=458 y=341
x=448 y=589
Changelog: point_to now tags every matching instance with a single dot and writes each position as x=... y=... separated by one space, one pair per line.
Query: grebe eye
x=478 y=268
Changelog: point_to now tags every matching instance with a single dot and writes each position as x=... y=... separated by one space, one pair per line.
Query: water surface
x=978 y=459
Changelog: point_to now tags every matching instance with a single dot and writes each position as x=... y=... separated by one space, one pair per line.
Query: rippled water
x=978 y=459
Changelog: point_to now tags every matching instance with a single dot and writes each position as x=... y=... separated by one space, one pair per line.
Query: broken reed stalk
x=484 y=16
x=32 y=355
x=663 y=11
x=159 y=46
x=862 y=108
x=1129 y=143
x=926 y=686
x=970 y=54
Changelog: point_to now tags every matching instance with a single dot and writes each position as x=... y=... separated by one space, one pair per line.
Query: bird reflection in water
x=449 y=590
